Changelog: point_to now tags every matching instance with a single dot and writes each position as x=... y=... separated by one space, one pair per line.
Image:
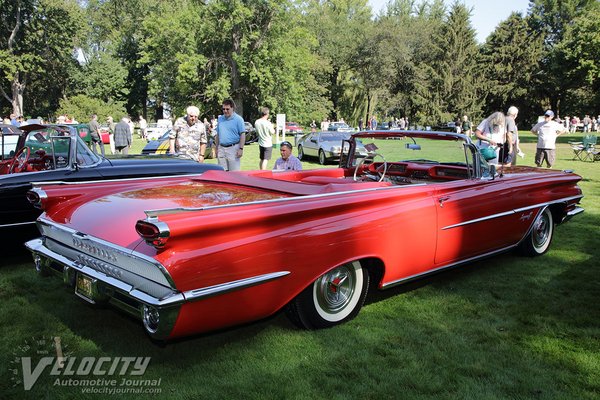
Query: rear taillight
x=37 y=197
x=153 y=231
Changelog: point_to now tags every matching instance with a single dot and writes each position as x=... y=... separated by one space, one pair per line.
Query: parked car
x=43 y=153
x=105 y=134
x=84 y=132
x=445 y=127
x=183 y=253
x=325 y=146
x=158 y=128
x=251 y=134
x=340 y=127
x=162 y=146
x=293 y=128
x=9 y=139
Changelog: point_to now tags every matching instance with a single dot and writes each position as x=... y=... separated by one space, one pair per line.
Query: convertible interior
x=328 y=180
x=41 y=150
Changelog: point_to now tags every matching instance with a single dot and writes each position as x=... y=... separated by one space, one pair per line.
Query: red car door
x=474 y=217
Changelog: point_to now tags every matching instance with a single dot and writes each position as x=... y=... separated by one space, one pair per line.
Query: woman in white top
x=492 y=132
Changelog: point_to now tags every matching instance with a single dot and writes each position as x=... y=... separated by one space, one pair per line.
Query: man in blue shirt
x=231 y=137
x=13 y=120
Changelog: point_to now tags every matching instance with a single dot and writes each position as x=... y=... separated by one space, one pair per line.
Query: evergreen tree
x=455 y=79
x=510 y=61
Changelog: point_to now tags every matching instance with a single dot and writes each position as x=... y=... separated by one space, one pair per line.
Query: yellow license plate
x=83 y=287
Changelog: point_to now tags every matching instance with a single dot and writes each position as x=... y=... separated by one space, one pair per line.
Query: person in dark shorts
x=265 y=131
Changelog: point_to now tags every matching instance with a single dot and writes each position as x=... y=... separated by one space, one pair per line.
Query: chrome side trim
x=17 y=224
x=37 y=247
x=37 y=184
x=197 y=294
x=156 y=213
x=503 y=214
x=454 y=264
x=474 y=221
x=578 y=197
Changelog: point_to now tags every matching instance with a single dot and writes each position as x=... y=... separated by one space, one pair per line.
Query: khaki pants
x=228 y=159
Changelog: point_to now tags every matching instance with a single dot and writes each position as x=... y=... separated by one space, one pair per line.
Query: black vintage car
x=43 y=153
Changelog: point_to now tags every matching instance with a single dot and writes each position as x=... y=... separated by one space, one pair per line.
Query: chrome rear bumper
x=158 y=314
x=572 y=213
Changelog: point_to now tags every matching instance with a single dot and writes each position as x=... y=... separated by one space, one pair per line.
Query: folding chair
x=584 y=150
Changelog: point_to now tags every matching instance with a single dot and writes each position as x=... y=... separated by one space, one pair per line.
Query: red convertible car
x=194 y=254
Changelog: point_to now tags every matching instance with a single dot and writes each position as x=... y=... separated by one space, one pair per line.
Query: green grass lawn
x=504 y=328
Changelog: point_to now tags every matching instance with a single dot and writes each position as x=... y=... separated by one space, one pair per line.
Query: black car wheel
x=334 y=298
x=300 y=152
x=322 y=158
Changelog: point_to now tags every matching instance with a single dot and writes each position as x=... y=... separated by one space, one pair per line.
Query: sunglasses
x=288 y=144
x=226 y=109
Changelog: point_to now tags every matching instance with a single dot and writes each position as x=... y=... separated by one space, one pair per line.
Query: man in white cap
x=188 y=136
x=512 y=136
x=547 y=131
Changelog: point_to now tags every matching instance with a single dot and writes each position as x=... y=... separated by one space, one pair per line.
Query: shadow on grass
x=485 y=327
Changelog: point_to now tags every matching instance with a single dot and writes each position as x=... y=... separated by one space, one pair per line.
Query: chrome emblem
x=525 y=217
x=99 y=266
x=87 y=247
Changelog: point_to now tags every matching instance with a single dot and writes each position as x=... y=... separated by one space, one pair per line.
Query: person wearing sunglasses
x=287 y=161
x=231 y=137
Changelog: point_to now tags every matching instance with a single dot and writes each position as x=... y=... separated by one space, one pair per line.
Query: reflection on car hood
x=118 y=212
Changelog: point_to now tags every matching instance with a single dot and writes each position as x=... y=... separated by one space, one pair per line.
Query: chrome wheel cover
x=337 y=292
x=542 y=231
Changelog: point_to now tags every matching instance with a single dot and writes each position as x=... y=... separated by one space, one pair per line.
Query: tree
x=81 y=107
x=510 y=60
x=339 y=26
x=25 y=51
x=551 y=18
x=578 y=55
x=456 y=80
x=407 y=82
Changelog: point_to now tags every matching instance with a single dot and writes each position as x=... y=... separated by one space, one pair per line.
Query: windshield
x=417 y=150
x=420 y=158
x=9 y=145
x=331 y=137
x=56 y=144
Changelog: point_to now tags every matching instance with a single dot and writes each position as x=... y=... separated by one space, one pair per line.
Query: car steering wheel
x=20 y=162
x=380 y=174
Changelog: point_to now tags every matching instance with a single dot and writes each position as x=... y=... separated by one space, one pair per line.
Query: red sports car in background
x=194 y=254
x=293 y=128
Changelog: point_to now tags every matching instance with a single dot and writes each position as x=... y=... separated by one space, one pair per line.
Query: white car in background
x=156 y=129
x=340 y=127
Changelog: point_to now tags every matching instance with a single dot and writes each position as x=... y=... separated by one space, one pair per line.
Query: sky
x=486 y=14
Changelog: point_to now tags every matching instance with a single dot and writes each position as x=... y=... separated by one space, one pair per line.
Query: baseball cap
x=549 y=113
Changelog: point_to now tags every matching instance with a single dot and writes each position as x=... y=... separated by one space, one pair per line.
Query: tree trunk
x=236 y=95
x=17 y=95
x=368 y=119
